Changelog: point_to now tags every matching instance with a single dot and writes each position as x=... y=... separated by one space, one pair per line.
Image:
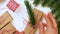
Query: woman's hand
x=17 y=32
x=51 y=25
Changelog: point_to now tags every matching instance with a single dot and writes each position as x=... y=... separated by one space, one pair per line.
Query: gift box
x=12 y=5
x=5 y=19
x=8 y=29
x=29 y=29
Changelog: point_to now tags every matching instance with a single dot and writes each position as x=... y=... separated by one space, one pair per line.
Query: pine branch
x=30 y=12
x=36 y=2
x=57 y=16
x=54 y=4
x=45 y=2
x=56 y=9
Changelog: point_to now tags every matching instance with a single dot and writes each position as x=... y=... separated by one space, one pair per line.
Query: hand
x=51 y=25
x=17 y=32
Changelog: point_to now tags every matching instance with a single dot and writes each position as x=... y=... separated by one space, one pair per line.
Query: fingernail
x=50 y=13
x=22 y=32
x=39 y=24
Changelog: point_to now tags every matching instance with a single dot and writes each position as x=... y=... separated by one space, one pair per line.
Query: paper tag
x=12 y=5
x=4 y=19
x=8 y=29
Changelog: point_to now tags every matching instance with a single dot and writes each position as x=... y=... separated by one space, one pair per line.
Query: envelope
x=5 y=19
x=38 y=17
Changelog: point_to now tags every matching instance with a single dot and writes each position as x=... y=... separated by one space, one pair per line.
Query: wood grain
x=4 y=19
x=8 y=29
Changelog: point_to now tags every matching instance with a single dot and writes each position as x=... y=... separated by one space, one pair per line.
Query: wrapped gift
x=5 y=19
x=29 y=28
x=8 y=29
x=12 y=5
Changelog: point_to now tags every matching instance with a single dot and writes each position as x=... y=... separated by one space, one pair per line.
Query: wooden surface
x=4 y=19
x=8 y=29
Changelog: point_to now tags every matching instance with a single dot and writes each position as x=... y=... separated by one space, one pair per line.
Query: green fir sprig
x=30 y=12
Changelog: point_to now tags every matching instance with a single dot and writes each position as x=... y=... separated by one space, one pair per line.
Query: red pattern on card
x=12 y=5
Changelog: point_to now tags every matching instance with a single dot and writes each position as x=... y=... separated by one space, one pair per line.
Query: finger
x=21 y=32
x=49 y=23
x=41 y=28
x=17 y=32
x=53 y=20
